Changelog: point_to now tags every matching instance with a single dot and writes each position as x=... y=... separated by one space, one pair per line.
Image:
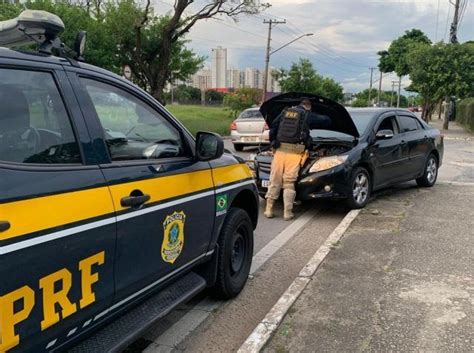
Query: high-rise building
x=234 y=76
x=202 y=79
x=253 y=78
x=219 y=68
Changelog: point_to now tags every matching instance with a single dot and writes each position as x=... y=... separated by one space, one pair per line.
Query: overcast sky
x=347 y=33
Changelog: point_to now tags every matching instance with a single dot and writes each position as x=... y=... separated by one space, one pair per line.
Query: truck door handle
x=136 y=198
x=4 y=226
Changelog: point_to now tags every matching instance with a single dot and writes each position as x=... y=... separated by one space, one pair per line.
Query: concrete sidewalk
x=401 y=280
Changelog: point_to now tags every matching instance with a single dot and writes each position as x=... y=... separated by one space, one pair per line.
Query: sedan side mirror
x=209 y=146
x=384 y=134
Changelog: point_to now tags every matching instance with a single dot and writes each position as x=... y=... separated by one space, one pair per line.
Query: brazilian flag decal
x=221 y=204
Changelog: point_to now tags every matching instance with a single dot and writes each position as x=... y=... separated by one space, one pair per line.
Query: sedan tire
x=360 y=188
x=430 y=174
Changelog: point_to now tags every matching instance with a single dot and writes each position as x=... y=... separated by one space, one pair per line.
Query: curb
x=267 y=327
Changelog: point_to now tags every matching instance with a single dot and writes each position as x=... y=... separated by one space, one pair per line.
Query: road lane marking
x=266 y=328
x=193 y=318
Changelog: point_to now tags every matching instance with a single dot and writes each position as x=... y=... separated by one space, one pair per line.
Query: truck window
x=132 y=129
x=34 y=124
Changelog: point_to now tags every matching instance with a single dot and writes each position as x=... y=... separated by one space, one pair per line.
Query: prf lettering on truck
x=17 y=305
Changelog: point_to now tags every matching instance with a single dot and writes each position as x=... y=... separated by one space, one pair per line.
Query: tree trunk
x=446 y=114
x=440 y=109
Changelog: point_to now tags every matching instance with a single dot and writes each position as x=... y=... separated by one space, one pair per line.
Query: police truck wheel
x=239 y=148
x=235 y=254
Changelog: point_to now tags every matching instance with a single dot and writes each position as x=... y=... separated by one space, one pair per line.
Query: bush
x=465 y=113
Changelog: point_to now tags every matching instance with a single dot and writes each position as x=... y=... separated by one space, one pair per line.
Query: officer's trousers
x=284 y=172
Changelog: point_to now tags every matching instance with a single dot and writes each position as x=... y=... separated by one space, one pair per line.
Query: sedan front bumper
x=332 y=183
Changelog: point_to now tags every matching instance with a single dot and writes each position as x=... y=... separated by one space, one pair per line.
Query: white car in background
x=249 y=129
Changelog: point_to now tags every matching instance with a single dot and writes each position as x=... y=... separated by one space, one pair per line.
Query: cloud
x=347 y=33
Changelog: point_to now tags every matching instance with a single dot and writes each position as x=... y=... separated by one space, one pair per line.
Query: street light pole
x=370 y=86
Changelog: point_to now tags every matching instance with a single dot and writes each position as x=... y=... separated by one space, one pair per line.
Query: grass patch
x=198 y=118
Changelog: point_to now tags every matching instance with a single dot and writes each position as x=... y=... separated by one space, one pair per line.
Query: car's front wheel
x=235 y=254
x=430 y=173
x=360 y=188
x=238 y=148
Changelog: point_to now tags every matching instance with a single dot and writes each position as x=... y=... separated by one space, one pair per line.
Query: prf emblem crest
x=291 y=114
x=173 y=236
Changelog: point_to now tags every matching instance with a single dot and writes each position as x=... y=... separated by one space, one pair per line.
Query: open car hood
x=341 y=121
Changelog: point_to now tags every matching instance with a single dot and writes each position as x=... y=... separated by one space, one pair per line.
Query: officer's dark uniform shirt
x=314 y=121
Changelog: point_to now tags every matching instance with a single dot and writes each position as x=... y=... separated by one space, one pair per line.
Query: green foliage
x=465 y=113
x=198 y=118
x=241 y=99
x=184 y=94
x=400 y=49
x=214 y=96
x=302 y=77
x=442 y=70
x=9 y=11
x=385 y=62
x=362 y=98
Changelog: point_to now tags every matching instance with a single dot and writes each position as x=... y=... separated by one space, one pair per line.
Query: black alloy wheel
x=430 y=174
x=235 y=254
x=360 y=188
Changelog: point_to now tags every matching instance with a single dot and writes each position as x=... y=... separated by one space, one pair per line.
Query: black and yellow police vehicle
x=111 y=213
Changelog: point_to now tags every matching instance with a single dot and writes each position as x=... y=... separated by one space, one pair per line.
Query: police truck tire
x=239 y=148
x=235 y=254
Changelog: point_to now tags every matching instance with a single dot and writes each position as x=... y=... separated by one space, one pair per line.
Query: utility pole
x=380 y=89
x=453 y=38
x=393 y=89
x=267 y=56
x=399 y=88
x=370 y=86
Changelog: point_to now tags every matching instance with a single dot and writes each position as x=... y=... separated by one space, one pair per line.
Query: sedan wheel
x=431 y=172
x=360 y=188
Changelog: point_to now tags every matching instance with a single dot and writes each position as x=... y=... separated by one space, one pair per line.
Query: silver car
x=249 y=129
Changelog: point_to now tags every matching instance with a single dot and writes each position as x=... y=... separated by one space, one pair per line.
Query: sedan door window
x=132 y=129
x=409 y=124
x=388 y=123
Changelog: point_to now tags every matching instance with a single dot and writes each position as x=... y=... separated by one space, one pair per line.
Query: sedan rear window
x=250 y=114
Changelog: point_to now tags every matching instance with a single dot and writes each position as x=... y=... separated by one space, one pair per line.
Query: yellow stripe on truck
x=45 y=212
x=164 y=187
x=231 y=174
x=37 y=214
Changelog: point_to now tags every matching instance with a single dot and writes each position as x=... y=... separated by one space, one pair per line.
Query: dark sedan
x=365 y=149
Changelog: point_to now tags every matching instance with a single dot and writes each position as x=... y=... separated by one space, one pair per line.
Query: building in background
x=253 y=78
x=202 y=80
x=219 y=68
x=235 y=78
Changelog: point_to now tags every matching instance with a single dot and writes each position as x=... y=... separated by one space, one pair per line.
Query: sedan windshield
x=361 y=119
x=250 y=114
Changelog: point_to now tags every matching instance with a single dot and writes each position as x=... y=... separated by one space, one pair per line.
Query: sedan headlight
x=327 y=163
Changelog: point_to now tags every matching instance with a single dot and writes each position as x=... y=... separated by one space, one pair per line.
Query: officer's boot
x=288 y=201
x=269 y=208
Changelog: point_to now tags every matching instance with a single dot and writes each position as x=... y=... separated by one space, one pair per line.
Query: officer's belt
x=292 y=147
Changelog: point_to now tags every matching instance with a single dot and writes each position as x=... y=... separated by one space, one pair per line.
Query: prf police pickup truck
x=111 y=213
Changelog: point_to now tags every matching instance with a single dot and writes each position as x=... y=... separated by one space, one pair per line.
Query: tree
x=155 y=39
x=302 y=77
x=214 y=96
x=441 y=70
x=363 y=96
x=241 y=99
x=400 y=48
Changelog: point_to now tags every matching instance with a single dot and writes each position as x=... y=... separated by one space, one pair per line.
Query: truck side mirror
x=209 y=146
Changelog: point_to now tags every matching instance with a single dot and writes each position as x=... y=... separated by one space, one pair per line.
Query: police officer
x=290 y=138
